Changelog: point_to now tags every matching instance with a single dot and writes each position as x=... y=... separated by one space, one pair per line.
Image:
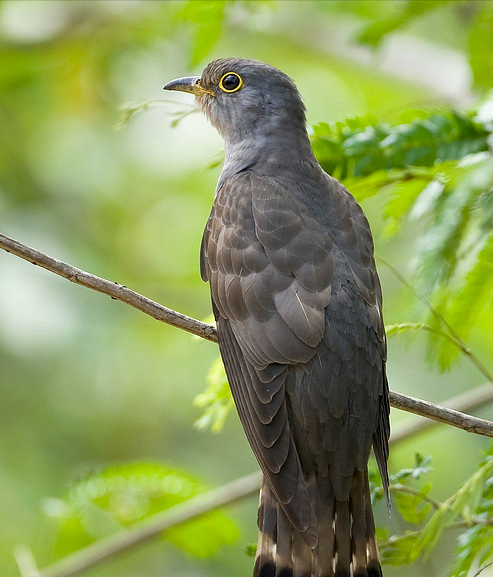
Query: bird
x=289 y=258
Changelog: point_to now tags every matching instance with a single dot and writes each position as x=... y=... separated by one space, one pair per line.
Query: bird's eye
x=230 y=82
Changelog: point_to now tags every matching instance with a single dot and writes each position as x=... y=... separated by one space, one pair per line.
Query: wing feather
x=298 y=308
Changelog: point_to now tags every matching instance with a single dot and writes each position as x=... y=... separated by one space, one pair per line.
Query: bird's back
x=298 y=307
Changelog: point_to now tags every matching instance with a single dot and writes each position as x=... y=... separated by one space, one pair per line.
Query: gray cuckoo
x=288 y=255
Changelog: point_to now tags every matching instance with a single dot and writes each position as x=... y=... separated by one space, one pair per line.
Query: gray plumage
x=288 y=254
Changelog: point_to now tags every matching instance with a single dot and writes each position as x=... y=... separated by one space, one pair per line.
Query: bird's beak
x=188 y=84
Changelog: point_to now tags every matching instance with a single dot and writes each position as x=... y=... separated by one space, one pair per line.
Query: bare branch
x=441 y=414
x=113 y=289
x=465 y=402
x=169 y=316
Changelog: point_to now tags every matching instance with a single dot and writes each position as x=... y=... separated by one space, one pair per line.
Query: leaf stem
x=400 y=488
x=453 y=336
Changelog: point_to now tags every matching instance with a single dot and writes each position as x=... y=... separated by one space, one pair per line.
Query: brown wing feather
x=298 y=308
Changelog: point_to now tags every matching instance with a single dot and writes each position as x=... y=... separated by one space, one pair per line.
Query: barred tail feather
x=346 y=544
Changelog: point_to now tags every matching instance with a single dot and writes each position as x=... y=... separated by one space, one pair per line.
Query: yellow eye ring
x=230 y=82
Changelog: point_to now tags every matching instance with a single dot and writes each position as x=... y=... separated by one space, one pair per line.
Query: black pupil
x=231 y=81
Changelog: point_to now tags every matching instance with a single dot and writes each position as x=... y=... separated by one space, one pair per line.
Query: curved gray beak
x=189 y=84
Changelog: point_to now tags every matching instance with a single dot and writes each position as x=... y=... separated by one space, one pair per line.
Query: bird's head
x=246 y=99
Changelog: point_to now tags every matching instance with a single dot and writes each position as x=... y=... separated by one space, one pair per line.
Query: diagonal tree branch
x=154 y=526
x=141 y=532
x=441 y=414
x=465 y=402
x=113 y=289
x=171 y=317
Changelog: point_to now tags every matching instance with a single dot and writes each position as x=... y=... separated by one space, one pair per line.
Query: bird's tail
x=346 y=535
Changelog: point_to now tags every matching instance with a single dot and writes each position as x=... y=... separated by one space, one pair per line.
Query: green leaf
x=375 y=32
x=361 y=146
x=413 y=507
x=406 y=191
x=475 y=291
x=216 y=400
x=397 y=550
x=119 y=496
x=456 y=257
x=421 y=467
x=463 y=502
x=399 y=180
x=480 y=45
x=207 y=19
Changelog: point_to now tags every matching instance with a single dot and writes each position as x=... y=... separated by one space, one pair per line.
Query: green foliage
x=477 y=15
x=437 y=169
x=374 y=33
x=122 y=495
x=464 y=503
x=95 y=195
x=216 y=400
x=455 y=252
x=475 y=543
x=361 y=146
x=422 y=466
x=413 y=507
x=207 y=18
x=469 y=509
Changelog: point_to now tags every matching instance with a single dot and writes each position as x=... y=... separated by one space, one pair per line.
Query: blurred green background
x=87 y=382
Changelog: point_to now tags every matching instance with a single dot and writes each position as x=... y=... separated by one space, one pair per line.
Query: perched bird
x=288 y=254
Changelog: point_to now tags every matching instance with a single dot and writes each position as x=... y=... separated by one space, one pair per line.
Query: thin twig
x=393 y=330
x=400 y=488
x=169 y=316
x=152 y=527
x=454 y=336
x=482 y=568
x=391 y=541
x=128 y=110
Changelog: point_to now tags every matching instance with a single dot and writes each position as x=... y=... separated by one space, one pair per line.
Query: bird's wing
x=271 y=265
x=270 y=269
x=353 y=243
